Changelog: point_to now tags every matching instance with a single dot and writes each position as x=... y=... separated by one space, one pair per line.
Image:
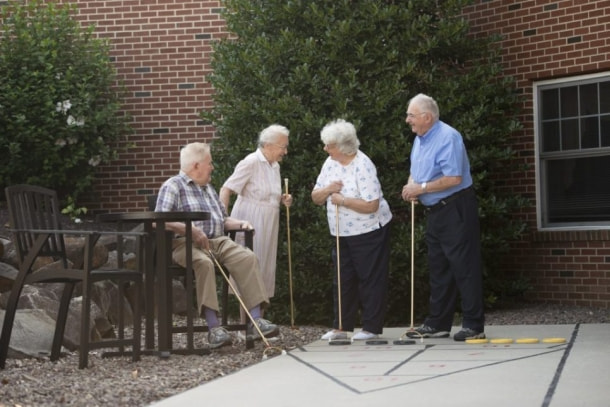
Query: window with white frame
x=573 y=152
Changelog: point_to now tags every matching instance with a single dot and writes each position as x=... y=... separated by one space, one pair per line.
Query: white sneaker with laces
x=364 y=336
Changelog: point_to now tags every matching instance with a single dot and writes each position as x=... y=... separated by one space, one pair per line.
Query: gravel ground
x=119 y=382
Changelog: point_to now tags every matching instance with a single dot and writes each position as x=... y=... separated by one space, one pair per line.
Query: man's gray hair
x=192 y=153
x=426 y=104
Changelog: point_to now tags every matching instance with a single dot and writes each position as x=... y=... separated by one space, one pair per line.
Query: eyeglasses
x=413 y=115
x=329 y=146
x=285 y=147
x=203 y=163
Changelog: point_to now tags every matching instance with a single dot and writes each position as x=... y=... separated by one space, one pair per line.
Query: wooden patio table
x=158 y=277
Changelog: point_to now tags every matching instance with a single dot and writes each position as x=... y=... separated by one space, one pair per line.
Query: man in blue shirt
x=190 y=191
x=440 y=180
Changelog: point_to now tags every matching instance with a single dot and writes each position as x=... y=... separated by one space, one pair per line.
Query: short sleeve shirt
x=360 y=181
x=256 y=179
x=440 y=152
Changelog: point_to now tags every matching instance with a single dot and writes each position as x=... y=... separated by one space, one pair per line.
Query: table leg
x=164 y=309
x=149 y=297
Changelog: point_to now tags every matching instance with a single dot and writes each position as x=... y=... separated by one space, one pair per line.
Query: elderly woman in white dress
x=256 y=181
x=348 y=181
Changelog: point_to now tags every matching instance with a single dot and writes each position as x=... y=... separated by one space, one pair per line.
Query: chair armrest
x=248 y=236
x=238 y=230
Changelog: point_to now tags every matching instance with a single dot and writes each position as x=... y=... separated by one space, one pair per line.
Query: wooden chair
x=34 y=214
x=187 y=278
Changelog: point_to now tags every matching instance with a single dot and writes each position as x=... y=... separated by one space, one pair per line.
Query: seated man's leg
x=205 y=279
x=242 y=264
x=205 y=285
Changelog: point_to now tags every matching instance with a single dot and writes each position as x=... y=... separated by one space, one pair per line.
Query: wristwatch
x=423 y=186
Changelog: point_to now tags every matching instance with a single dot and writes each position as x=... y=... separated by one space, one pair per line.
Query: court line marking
x=550 y=348
x=553 y=385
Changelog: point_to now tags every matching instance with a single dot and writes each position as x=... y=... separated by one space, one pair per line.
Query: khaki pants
x=240 y=262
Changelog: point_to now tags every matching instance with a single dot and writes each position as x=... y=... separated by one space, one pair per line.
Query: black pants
x=364 y=263
x=454 y=259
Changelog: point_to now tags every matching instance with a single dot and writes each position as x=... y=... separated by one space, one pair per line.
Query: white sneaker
x=333 y=334
x=364 y=336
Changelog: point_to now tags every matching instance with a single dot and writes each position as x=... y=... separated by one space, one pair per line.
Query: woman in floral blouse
x=349 y=186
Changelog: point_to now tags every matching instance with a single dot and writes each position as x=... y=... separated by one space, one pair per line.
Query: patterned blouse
x=359 y=179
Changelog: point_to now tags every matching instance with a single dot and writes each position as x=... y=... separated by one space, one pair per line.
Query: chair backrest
x=33 y=207
x=151 y=202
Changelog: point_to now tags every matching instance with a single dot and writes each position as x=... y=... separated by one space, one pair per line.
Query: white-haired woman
x=348 y=179
x=256 y=181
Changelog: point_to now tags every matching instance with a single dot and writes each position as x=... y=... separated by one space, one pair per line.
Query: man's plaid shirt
x=180 y=193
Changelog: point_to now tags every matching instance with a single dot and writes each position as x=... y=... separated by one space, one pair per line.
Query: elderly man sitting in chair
x=190 y=191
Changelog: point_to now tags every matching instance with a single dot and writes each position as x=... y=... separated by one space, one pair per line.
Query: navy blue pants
x=454 y=260
x=364 y=263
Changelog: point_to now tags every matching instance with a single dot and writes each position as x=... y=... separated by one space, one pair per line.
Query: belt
x=445 y=201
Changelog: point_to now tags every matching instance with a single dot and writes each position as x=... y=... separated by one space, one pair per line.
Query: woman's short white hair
x=342 y=134
x=192 y=153
x=271 y=134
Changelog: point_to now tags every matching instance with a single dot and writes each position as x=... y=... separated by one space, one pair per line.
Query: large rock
x=43 y=299
x=105 y=295
x=9 y=255
x=32 y=334
x=8 y=274
x=74 y=251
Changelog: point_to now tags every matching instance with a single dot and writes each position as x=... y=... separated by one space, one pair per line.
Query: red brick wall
x=546 y=40
x=161 y=49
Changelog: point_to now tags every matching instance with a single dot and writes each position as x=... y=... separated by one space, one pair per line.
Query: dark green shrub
x=59 y=106
x=304 y=63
